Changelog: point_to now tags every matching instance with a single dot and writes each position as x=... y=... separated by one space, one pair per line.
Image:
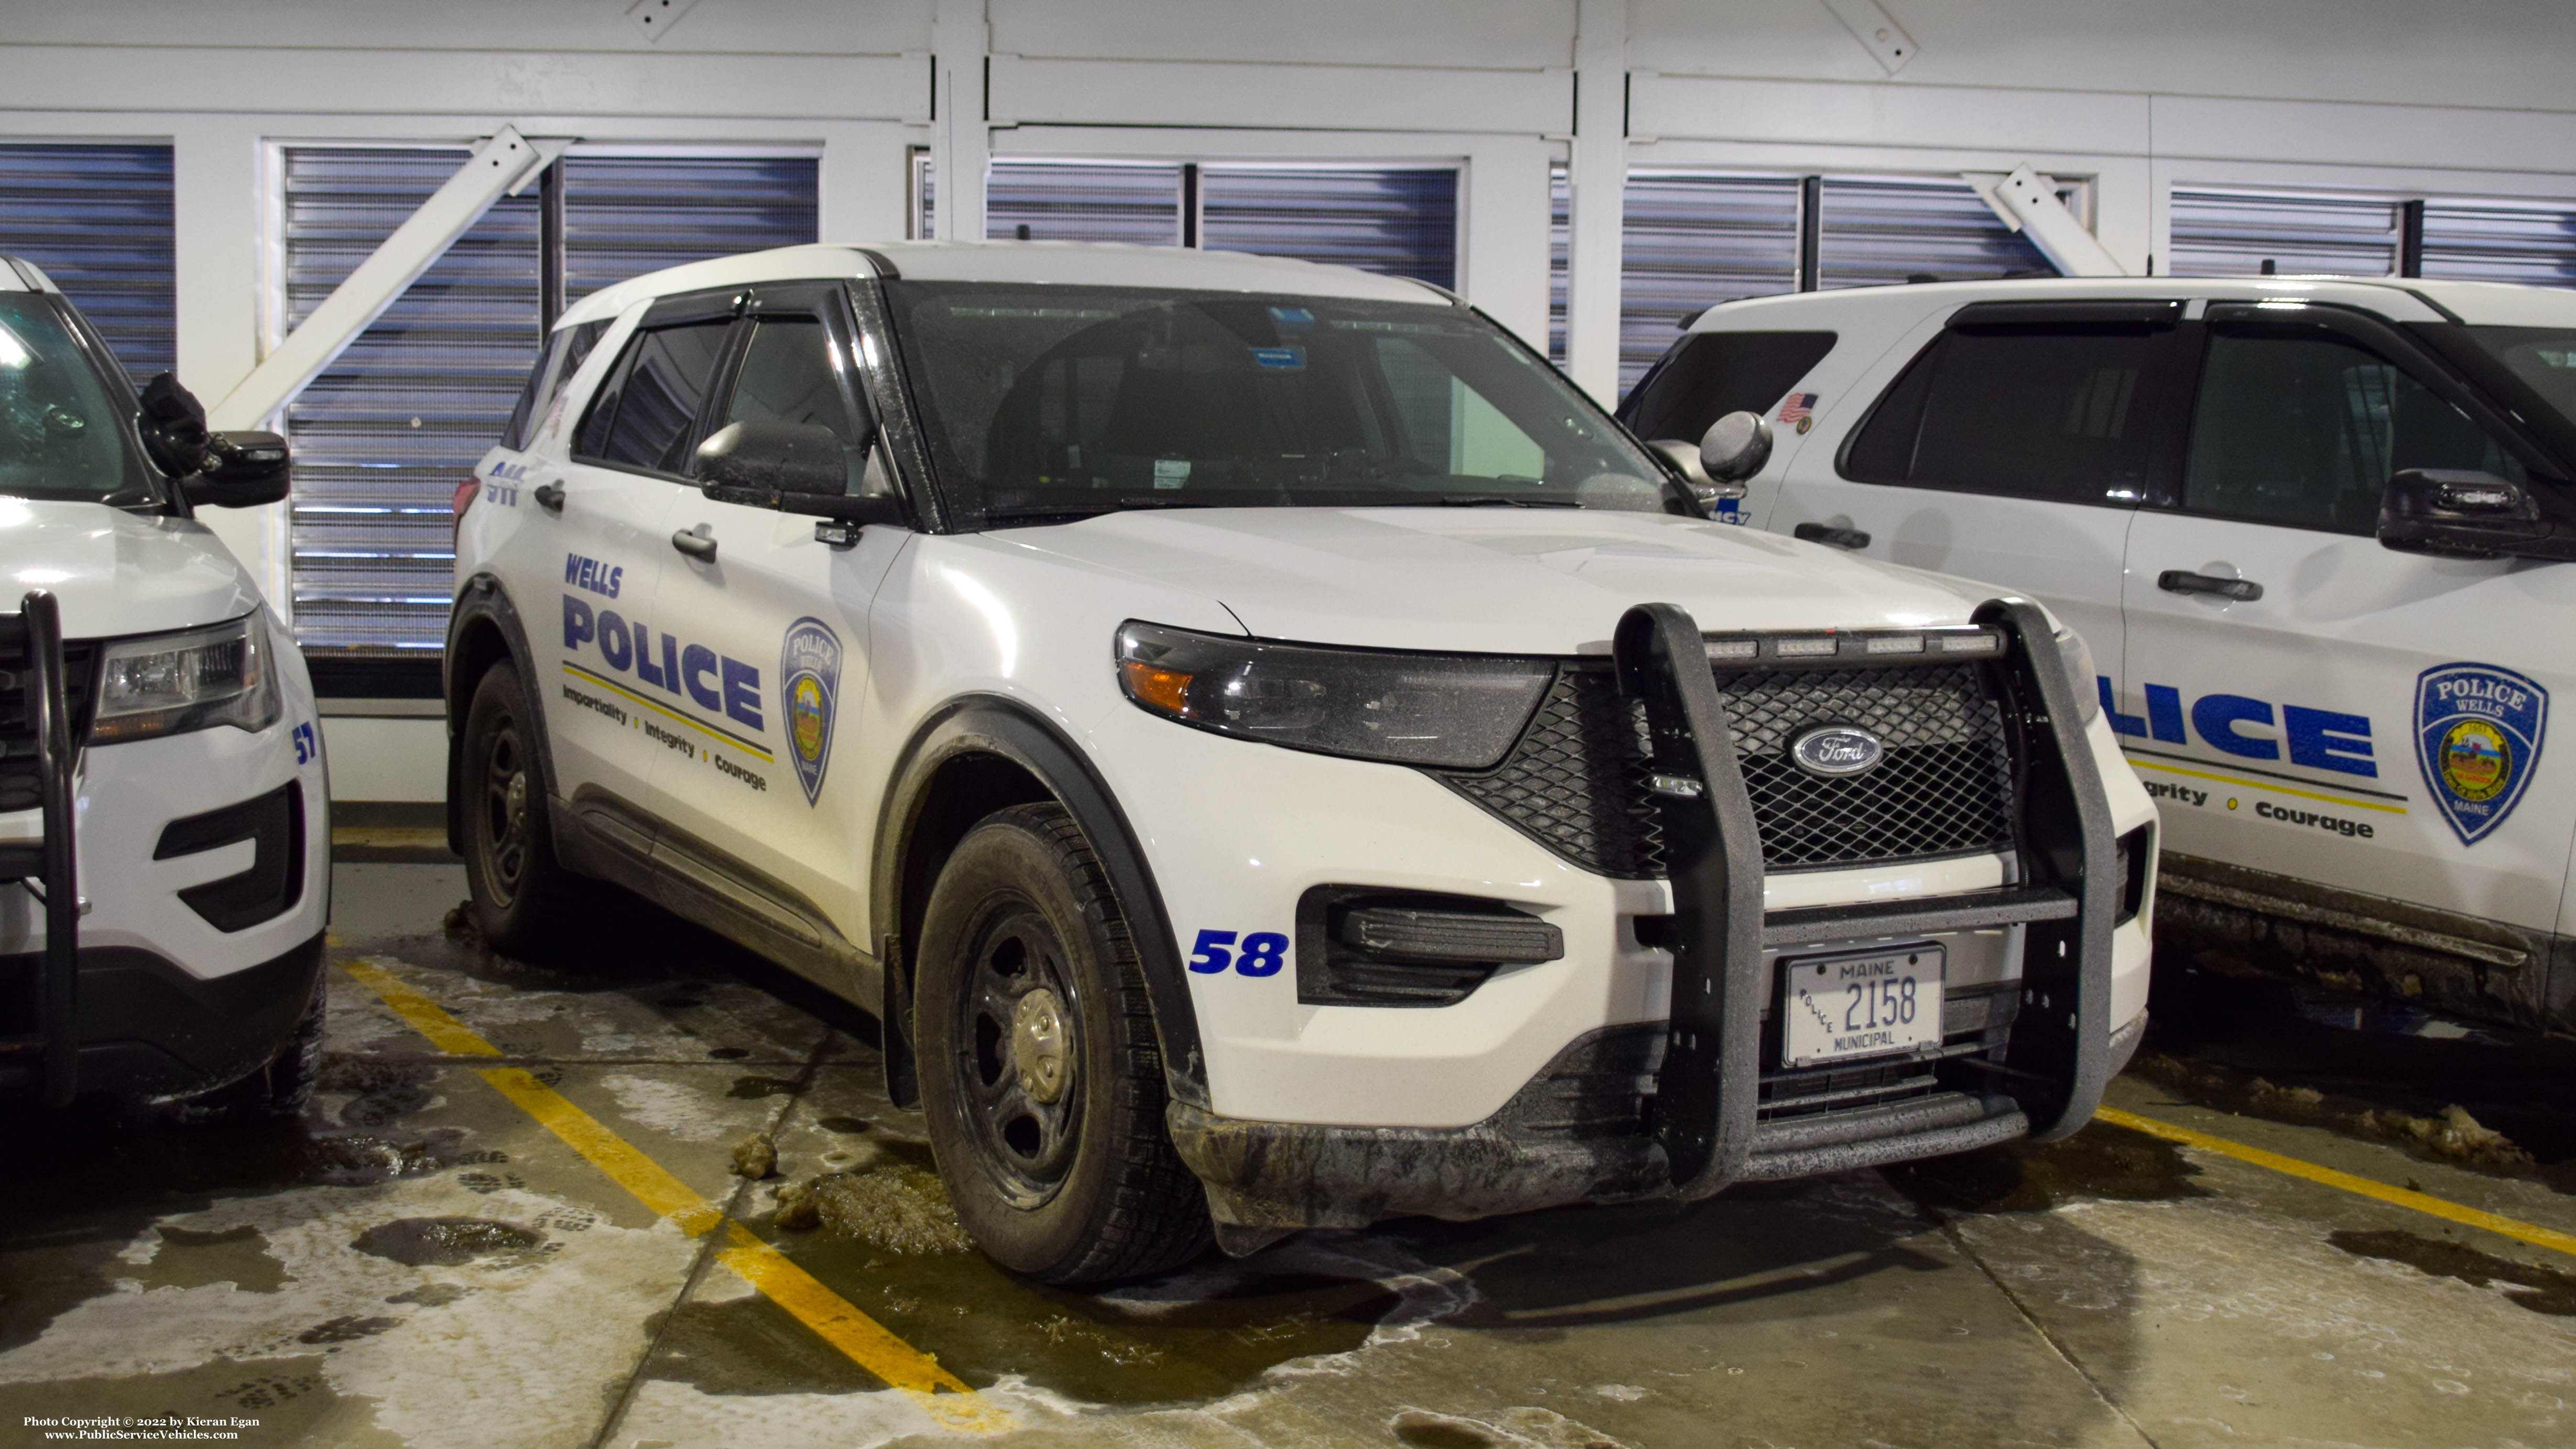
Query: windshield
x=2543 y=357
x=62 y=436
x=1049 y=402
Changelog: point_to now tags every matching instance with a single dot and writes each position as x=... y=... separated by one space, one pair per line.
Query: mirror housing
x=172 y=424
x=1735 y=447
x=792 y=467
x=242 y=470
x=2466 y=513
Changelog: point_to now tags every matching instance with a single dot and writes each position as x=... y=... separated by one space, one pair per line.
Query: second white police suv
x=2317 y=532
x=1273 y=754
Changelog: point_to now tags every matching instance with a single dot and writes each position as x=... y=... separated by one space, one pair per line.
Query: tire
x=1028 y=985
x=524 y=901
x=277 y=1090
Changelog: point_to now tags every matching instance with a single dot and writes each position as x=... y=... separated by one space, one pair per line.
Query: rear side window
x=2044 y=414
x=646 y=413
x=566 y=349
x=1710 y=374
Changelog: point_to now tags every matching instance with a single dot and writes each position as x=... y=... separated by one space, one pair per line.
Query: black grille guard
x=1708 y=1087
x=50 y=864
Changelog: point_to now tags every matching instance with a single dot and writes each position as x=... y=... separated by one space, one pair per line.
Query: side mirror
x=2465 y=513
x=793 y=467
x=1735 y=447
x=242 y=470
x=173 y=426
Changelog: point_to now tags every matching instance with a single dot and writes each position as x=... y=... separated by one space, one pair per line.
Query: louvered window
x=1690 y=241
x=384 y=434
x=1560 y=251
x=1874 y=231
x=1402 y=221
x=2239 y=233
x=97 y=219
x=2486 y=242
x=1084 y=202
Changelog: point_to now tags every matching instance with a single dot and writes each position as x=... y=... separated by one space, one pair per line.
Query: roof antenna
x=2268 y=268
x=1023 y=235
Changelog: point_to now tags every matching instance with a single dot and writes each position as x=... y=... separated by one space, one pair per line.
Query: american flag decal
x=1797 y=407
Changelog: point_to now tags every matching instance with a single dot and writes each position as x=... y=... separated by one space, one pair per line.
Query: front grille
x=1576 y=781
x=21 y=784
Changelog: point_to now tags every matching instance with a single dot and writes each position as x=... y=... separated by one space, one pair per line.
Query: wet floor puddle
x=2102 y=1161
x=2542 y=1290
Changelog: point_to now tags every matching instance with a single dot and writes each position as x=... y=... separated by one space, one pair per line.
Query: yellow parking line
x=2538 y=1237
x=866 y=1342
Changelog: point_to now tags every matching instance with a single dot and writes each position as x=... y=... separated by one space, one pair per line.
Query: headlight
x=2080 y=677
x=1410 y=709
x=163 y=684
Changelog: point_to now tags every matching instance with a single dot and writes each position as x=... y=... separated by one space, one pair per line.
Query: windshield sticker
x=1171 y=472
x=809 y=670
x=1799 y=409
x=2478 y=731
x=1292 y=316
x=1281 y=359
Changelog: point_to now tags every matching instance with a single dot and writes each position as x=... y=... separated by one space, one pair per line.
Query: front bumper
x=146 y=1027
x=1683 y=1107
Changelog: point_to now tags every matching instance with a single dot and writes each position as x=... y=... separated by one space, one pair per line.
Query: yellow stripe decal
x=2137 y=764
x=868 y=1343
x=2539 y=1237
x=737 y=741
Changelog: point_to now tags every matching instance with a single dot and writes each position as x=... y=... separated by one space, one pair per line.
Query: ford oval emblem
x=1837 y=750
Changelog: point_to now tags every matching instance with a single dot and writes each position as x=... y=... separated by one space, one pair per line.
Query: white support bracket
x=499 y=167
x=2027 y=202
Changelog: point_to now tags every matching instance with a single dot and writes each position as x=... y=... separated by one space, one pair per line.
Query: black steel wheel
x=1041 y=1074
x=522 y=899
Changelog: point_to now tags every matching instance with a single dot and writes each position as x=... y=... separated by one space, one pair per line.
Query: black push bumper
x=146 y=1028
x=1684 y=1109
x=43 y=730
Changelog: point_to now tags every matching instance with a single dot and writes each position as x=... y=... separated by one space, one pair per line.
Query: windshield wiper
x=1496 y=500
x=1078 y=512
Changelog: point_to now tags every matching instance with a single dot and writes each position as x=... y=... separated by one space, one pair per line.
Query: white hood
x=117 y=572
x=1497 y=580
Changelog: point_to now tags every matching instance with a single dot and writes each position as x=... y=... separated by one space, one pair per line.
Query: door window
x=2305 y=432
x=790 y=374
x=647 y=411
x=2051 y=415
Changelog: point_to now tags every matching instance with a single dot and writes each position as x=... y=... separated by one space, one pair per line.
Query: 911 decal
x=1261 y=953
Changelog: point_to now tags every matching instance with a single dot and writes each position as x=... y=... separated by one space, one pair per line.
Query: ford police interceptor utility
x=1270 y=750
x=164 y=837
x=2315 y=531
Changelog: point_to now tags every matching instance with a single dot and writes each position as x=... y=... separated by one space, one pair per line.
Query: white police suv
x=164 y=821
x=2315 y=531
x=1270 y=750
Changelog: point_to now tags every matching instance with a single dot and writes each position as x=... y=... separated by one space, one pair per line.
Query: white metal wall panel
x=1402 y=221
x=1691 y=240
x=2475 y=242
x=1876 y=231
x=98 y=220
x=1085 y=201
x=383 y=436
x=2233 y=233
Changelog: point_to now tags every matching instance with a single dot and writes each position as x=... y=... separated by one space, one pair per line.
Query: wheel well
x=965 y=789
x=471 y=654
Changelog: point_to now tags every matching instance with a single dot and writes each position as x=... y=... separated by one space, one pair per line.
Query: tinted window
x=1710 y=374
x=1058 y=400
x=647 y=411
x=2050 y=415
x=566 y=349
x=2305 y=431
x=789 y=374
x=62 y=431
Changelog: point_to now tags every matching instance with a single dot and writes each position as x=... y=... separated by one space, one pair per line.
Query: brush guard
x=48 y=866
x=1708 y=1087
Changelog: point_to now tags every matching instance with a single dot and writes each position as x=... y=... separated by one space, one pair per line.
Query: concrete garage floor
x=419 y=1262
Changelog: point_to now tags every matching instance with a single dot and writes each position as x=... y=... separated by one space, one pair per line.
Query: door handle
x=1850 y=538
x=549 y=496
x=2183 y=581
x=696 y=545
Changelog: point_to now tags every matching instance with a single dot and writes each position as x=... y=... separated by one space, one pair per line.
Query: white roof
x=2400 y=299
x=1062 y=263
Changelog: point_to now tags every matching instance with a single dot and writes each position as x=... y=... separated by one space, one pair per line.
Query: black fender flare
x=484 y=598
x=994 y=725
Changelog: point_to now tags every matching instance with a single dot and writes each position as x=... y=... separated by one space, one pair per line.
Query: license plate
x=1863 y=1004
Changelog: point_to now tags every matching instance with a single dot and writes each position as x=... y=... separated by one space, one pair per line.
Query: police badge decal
x=2478 y=730
x=809 y=686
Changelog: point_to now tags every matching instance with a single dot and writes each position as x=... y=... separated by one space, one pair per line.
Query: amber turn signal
x=1167 y=690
